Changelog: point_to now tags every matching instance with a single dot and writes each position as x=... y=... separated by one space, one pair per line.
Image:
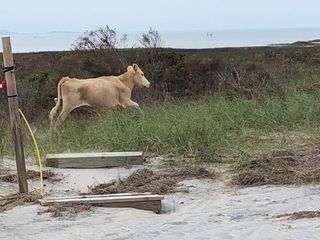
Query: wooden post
x=14 y=115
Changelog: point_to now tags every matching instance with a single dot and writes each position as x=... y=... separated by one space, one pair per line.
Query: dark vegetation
x=174 y=74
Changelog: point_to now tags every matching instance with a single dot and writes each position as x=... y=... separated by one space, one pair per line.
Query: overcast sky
x=139 y=15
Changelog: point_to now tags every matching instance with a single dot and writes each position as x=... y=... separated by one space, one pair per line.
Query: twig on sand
x=299 y=215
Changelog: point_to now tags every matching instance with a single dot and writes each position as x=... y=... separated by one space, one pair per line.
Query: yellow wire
x=37 y=152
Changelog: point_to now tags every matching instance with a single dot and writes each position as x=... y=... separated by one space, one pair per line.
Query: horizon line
x=4 y=31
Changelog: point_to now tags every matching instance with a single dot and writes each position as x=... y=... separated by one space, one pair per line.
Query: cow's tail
x=54 y=110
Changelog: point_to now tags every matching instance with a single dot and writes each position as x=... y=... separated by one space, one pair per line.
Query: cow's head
x=138 y=76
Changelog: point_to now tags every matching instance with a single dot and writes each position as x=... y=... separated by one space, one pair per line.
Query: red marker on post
x=3 y=84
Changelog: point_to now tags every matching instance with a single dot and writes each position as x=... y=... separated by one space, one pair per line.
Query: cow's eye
x=142 y=74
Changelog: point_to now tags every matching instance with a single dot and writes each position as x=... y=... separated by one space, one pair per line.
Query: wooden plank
x=101 y=199
x=14 y=116
x=145 y=201
x=154 y=206
x=104 y=195
x=94 y=160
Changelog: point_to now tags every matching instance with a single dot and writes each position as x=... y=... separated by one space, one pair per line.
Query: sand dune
x=211 y=210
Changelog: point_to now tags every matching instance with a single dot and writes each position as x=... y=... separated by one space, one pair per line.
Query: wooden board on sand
x=94 y=160
x=145 y=201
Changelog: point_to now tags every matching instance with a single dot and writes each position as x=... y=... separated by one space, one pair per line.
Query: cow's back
x=95 y=92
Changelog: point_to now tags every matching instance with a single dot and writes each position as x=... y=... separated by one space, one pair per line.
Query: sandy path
x=210 y=211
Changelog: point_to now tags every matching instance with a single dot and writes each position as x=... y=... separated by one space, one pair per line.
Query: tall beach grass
x=212 y=128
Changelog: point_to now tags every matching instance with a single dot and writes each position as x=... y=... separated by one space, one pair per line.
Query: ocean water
x=57 y=41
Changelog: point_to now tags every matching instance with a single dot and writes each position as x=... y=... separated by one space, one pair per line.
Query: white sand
x=211 y=210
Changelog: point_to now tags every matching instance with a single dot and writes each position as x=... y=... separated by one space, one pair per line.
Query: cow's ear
x=135 y=67
x=129 y=68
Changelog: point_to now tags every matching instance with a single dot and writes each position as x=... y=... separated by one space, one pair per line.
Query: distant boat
x=209 y=34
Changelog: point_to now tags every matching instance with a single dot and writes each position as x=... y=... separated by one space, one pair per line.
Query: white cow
x=105 y=91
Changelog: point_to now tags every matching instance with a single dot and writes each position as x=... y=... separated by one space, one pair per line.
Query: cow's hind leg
x=64 y=113
x=53 y=113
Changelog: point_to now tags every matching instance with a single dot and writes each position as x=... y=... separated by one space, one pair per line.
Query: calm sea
x=184 y=39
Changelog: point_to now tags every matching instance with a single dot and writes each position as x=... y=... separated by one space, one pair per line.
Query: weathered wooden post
x=14 y=114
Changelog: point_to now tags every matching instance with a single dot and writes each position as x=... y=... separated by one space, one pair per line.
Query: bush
x=100 y=52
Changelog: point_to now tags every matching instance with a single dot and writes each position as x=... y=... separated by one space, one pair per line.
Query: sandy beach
x=215 y=103
x=211 y=210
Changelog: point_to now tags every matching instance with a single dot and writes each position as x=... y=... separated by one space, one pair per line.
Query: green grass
x=213 y=129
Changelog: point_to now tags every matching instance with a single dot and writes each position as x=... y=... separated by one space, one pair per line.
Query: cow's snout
x=145 y=83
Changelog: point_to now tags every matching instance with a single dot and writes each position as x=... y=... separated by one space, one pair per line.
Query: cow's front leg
x=132 y=104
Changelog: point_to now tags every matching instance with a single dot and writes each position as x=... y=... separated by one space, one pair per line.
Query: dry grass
x=300 y=215
x=299 y=166
x=58 y=210
x=145 y=180
x=31 y=175
x=11 y=201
